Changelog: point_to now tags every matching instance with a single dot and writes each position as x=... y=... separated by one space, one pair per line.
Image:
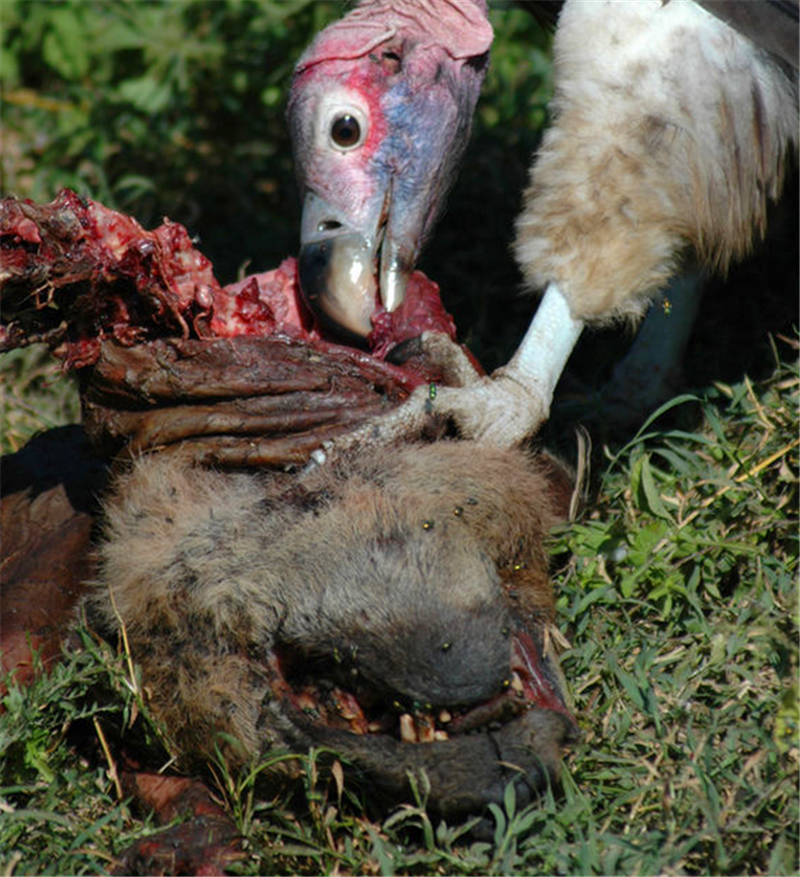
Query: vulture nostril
x=329 y=225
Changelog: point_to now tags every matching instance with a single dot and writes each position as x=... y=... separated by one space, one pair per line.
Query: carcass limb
x=236 y=401
x=206 y=843
x=167 y=356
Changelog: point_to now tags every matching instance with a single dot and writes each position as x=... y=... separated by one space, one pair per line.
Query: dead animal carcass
x=391 y=603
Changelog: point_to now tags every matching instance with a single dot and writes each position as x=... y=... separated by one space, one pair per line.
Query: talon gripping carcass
x=389 y=600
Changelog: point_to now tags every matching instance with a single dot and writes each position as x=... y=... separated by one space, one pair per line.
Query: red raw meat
x=168 y=355
x=76 y=273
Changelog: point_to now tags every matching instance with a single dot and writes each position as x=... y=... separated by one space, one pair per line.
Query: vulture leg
x=651 y=371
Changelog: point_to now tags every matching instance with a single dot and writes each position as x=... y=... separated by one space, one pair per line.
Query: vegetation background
x=678 y=586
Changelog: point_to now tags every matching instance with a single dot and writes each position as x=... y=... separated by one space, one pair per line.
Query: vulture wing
x=770 y=24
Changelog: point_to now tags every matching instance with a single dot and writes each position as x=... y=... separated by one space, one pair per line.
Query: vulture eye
x=346 y=131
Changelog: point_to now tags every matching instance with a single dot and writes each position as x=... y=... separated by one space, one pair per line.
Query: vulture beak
x=348 y=268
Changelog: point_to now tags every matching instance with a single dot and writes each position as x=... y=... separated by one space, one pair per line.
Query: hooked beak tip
x=394 y=273
x=393 y=291
x=337 y=264
x=337 y=282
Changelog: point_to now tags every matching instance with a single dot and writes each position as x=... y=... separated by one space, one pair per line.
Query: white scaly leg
x=515 y=401
x=545 y=349
x=651 y=371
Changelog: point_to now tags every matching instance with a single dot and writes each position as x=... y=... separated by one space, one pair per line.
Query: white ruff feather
x=670 y=129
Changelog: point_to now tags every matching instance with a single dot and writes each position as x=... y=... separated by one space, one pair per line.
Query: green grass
x=678 y=592
x=34 y=395
x=677 y=588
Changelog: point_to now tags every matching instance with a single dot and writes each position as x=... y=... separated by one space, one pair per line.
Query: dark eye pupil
x=346 y=131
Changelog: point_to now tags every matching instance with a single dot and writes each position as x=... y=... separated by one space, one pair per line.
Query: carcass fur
x=290 y=612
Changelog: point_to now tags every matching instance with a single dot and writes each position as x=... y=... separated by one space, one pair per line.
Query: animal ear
x=564 y=487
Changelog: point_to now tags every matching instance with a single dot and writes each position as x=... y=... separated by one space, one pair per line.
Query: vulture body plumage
x=672 y=123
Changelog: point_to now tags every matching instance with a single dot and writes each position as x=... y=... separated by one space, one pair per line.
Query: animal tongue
x=538 y=687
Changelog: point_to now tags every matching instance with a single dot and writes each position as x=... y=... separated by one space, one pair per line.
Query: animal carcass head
x=380 y=112
x=393 y=607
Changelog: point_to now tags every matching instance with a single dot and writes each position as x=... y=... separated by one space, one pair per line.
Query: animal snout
x=415 y=620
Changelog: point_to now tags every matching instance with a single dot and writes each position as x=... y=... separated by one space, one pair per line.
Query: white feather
x=670 y=129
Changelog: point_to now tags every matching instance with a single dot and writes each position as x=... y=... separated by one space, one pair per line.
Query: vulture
x=672 y=121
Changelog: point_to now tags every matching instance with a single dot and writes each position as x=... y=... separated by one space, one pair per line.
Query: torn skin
x=76 y=274
x=206 y=842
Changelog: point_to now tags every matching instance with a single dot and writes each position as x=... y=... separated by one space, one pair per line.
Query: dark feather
x=546 y=12
x=771 y=24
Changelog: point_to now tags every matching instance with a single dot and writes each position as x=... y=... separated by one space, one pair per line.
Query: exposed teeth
x=420 y=728
x=408 y=733
x=348 y=714
x=340 y=709
x=425 y=729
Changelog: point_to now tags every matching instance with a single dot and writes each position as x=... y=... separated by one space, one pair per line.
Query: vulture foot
x=502 y=410
x=494 y=410
x=512 y=404
x=498 y=410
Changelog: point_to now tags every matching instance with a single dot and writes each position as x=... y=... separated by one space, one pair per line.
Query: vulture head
x=380 y=111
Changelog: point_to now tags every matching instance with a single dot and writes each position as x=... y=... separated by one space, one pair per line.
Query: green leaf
x=510 y=800
x=648 y=496
x=64 y=47
x=629 y=683
x=642 y=435
x=146 y=93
